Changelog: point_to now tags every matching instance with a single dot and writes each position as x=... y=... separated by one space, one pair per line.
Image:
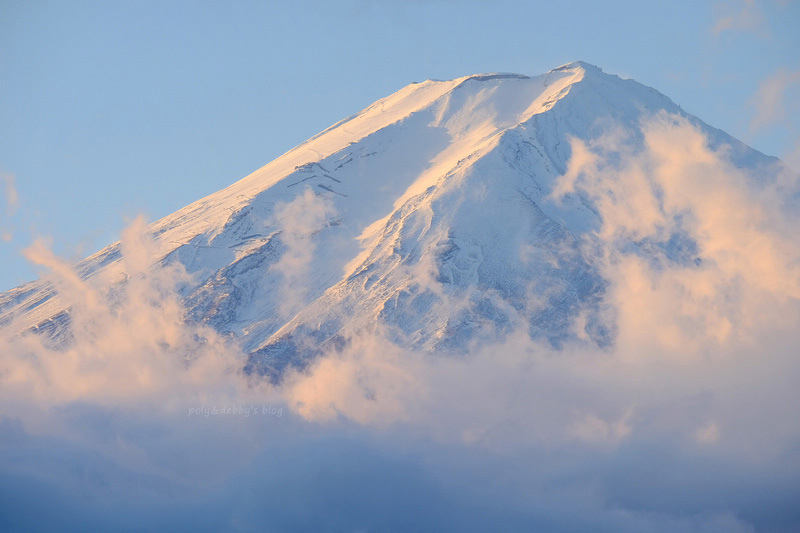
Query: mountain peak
x=583 y=65
x=574 y=66
x=488 y=76
x=427 y=194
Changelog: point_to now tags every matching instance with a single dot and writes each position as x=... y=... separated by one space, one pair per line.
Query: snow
x=414 y=213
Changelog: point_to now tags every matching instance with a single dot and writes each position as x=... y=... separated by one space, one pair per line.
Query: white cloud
x=299 y=220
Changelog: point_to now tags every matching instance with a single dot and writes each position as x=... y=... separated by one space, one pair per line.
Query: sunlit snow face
x=684 y=423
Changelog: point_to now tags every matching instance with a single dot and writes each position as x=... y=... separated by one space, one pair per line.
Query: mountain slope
x=428 y=214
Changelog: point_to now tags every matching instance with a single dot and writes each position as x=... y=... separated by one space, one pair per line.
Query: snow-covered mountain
x=428 y=214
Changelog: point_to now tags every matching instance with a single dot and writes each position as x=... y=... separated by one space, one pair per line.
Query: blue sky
x=111 y=109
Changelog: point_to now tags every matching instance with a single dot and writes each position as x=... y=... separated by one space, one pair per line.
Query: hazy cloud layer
x=687 y=423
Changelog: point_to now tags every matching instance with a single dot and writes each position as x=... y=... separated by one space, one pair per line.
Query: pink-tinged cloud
x=739 y=16
x=10 y=189
x=747 y=271
x=771 y=99
x=11 y=204
x=129 y=341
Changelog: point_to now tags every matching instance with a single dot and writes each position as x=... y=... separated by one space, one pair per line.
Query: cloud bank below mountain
x=686 y=422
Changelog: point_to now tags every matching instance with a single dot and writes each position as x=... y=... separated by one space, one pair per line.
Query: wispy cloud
x=770 y=100
x=12 y=197
x=792 y=156
x=739 y=16
x=11 y=201
x=127 y=342
x=298 y=221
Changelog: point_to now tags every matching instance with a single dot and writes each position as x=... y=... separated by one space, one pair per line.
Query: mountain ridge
x=403 y=206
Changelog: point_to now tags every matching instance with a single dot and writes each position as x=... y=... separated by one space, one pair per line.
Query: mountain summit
x=429 y=215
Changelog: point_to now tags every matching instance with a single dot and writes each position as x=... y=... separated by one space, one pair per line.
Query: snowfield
x=430 y=213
